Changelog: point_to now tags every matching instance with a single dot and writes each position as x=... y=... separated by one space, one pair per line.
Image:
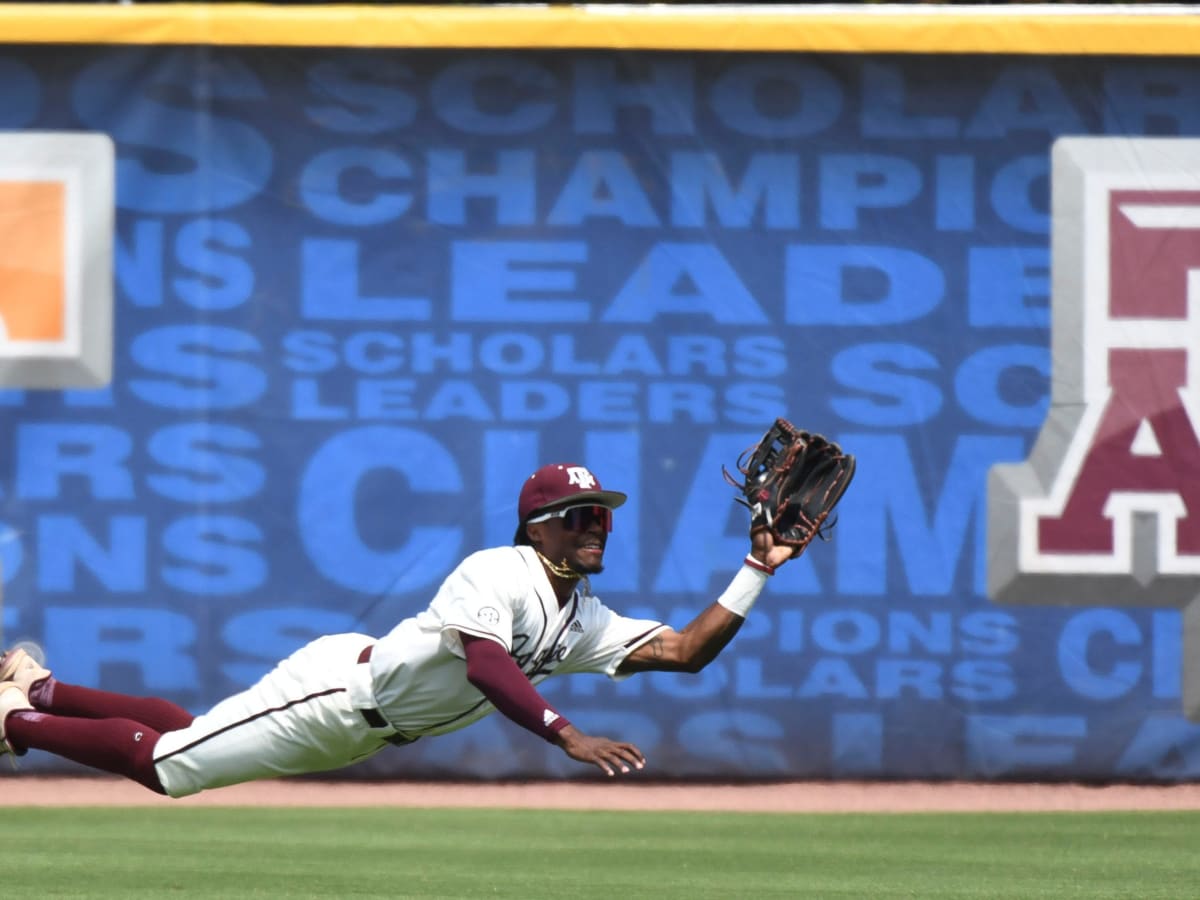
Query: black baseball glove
x=791 y=481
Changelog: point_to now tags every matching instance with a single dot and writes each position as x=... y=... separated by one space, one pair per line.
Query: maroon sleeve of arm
x=497 y=676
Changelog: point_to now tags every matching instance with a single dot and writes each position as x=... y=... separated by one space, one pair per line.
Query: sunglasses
x=578 y=518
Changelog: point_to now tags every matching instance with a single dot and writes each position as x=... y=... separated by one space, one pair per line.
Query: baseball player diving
x=505 y=619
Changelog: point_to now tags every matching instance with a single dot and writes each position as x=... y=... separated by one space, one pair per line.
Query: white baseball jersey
x=307 y=714
x=419 y=672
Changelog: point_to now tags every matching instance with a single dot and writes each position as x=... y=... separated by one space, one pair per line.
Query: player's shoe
x=21 y=669
x=12 y=698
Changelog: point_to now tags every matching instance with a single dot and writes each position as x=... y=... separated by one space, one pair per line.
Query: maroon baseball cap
x=561 y=484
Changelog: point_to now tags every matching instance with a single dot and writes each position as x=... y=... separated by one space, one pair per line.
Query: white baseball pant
x=303 y=716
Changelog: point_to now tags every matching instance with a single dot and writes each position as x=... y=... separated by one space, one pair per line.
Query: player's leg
x=120 y=746
x=61 y=699
x=48 y=694
x=299 y=718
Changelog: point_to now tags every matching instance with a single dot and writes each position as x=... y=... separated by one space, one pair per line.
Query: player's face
x=578 y=537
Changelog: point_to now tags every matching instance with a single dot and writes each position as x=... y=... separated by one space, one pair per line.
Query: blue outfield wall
x=361 y=294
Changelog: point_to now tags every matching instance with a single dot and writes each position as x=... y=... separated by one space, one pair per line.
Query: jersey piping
x=539 y=668
x=536 y=671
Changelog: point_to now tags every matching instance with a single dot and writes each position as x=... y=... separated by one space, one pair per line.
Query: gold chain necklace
x=562 y=570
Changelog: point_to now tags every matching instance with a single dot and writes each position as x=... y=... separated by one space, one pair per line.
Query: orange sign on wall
x=57 y=215
x=32 y=256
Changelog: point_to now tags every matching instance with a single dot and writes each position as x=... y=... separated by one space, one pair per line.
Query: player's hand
x=610 y=756
x=765 y=550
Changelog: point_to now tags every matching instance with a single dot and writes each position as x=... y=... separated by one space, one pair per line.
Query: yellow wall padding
x=1045 y=29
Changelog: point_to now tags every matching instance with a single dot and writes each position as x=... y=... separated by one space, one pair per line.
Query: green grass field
x=272 y=852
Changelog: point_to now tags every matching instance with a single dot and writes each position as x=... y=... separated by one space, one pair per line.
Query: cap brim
x=611 y=499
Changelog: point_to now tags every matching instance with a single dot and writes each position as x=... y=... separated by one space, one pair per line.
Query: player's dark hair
x=521 y=538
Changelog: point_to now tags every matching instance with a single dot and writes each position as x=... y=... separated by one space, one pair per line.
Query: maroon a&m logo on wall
x=1106 y=509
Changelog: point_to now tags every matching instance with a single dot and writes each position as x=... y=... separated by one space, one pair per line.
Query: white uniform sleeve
x=473 y=600
x=608 y=638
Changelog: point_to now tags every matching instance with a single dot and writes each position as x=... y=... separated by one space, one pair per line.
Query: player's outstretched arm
x=494 y=673
x=693 y=648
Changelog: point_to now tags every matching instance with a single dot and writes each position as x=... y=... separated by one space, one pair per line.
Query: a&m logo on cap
x=580 y=476
x=56 y=250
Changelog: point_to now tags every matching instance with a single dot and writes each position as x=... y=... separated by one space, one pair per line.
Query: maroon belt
x=373 y=717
